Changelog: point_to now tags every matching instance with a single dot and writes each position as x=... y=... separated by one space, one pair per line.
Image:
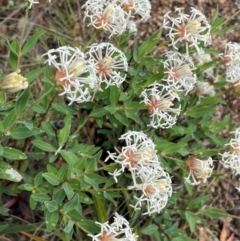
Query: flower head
x=119 y=230
x=138 y=154
x=231 y=159
x=159 y=100
x=178 y=68
x=156 y=190
x=231 y=59
x=13 y=82
x=190 y=30
x=199 y=170
x=109 y=62
x=140 y=7
x=75 y=75
x=106 y=15
x=204 y=88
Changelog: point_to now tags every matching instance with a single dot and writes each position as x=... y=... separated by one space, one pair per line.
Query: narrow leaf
x=13 y=154
x=42 y=145
x=31 y=42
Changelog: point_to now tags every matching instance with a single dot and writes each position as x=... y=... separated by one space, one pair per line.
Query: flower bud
x=13 y=82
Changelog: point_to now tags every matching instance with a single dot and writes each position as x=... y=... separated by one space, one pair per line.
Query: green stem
x=22 y=37
x=90 y=40
x=23 y=113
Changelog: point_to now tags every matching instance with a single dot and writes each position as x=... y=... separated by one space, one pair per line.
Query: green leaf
x=114 y=95
x=69 y=226
x=59 y=195
x=149 y=45
x=51 y=205
x=198 y=202
x=68 y=190
x=9 y=119
x=1 y=150
x=13 y=58
x=38 y=179
x=42 y=145
x=3 y=97
x=23 y=132
x=62 y=108
x=22 y=102
x=8 y=173
x=122 y=118
x=89 y=226
x=109 y=197
x=212 y=212
x=99 y=112
x=91 y=182
x=40 y=197
x=150 y=229
x=63 y=172
x=201 y=111
x=31 y=42
x=65 y=131
x=14 y=50
x=111 y=109
x=191 y=219
x=51 y=220
x=69 y=206
x=32 y=75
x=214 y=17
x=3 y=225
x=168 y=147
x=51 y=178
x=69 y=157
x=13 y=154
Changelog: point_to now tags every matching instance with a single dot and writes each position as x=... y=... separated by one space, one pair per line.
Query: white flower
x=73 y=73
x=119 y=230
x=140 y=7
x=110 y=63
x=204 y=88
x=199 y=170
x=156 y=190
x=232 y=61
x=105 y=15
x=188 y=30
x=178 y=68
x=159 y=100
x=138 y=154
x=231 y=159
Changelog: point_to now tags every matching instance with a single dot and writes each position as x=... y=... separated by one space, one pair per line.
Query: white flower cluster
x=199 y=170
x=179 y=70
x=160 y=101
x=140 y=158
x=115 y=16
x=81 y=75
x=232 y=61
x=188 y=30
x=204 y=88
x=231 y=159
x=119 y=229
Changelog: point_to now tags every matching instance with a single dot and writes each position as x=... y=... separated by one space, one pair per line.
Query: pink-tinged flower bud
x=13 y=82
x=199 y=170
